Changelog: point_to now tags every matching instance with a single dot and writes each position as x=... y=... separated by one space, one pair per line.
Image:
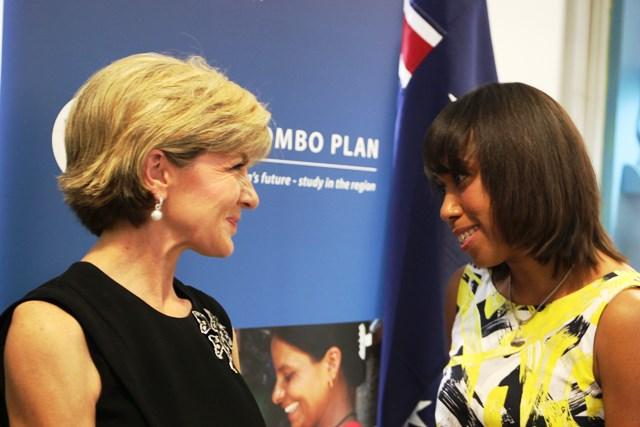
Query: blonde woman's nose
x=248 y=195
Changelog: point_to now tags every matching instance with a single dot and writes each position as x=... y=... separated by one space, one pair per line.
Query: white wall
x=528 y=42
x=560 y=47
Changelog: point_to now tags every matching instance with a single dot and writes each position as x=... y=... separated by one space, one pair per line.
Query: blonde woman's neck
x=140 y=260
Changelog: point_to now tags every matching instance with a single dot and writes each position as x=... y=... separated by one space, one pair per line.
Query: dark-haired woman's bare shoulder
x=450 y=302
x=50 y=378
x=616 y=349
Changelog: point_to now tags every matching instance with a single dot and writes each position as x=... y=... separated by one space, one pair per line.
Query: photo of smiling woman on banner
x=320 y=375
x=316 y=375
x=158 y=151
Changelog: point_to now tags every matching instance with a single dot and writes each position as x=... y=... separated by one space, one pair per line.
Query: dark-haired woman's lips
x=464 y=236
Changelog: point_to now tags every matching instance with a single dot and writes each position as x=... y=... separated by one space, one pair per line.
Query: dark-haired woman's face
x=301 y=387
x=466 y=208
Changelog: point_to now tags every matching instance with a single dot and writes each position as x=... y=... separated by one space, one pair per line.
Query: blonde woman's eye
x=239 y=166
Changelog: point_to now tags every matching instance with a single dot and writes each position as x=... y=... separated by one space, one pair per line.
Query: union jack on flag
x=419 y=37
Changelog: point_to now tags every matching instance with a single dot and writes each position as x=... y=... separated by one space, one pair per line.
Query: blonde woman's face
x=205 y=200
x=302 y=384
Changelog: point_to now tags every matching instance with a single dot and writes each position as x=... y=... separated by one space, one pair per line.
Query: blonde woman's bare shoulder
x=38 y=317
x=50 y=378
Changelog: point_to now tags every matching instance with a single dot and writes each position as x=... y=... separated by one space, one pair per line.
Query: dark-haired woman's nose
x=450 y=210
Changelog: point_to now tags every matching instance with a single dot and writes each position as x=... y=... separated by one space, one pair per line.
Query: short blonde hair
x=151 y=101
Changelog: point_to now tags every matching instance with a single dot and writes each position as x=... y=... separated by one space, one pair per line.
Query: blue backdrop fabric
x=422 y=252
x=327 y=72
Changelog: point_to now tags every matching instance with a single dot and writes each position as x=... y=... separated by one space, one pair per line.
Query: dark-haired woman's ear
x=333 y=361
x=156 y=173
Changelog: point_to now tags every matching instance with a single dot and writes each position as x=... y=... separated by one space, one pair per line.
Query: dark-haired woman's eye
x=438 y=185
x=460 y=178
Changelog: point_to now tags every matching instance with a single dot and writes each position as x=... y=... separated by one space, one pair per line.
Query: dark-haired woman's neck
x=531 y=281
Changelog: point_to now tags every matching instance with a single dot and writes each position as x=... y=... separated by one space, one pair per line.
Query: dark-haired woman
x=543 y=322
x=317 y=371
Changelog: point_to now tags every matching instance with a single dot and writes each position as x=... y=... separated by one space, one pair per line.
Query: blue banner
x=446 y=51
x=313 y=251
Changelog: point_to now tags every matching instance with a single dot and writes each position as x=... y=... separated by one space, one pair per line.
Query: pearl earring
x=156 y=214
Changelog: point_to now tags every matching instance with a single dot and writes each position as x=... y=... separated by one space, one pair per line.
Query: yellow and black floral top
x=547 y=381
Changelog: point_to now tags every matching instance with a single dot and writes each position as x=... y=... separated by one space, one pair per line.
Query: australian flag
x=446 y=52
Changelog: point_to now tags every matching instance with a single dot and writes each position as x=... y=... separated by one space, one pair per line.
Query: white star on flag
x=414 y=419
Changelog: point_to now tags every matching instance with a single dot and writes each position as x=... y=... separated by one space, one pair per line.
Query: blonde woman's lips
x=291 y=407
x=233 y=222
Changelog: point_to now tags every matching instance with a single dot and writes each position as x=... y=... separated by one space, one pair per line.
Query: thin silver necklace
x=518 y=340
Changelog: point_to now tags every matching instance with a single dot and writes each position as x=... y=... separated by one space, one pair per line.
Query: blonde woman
x=158 y=150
